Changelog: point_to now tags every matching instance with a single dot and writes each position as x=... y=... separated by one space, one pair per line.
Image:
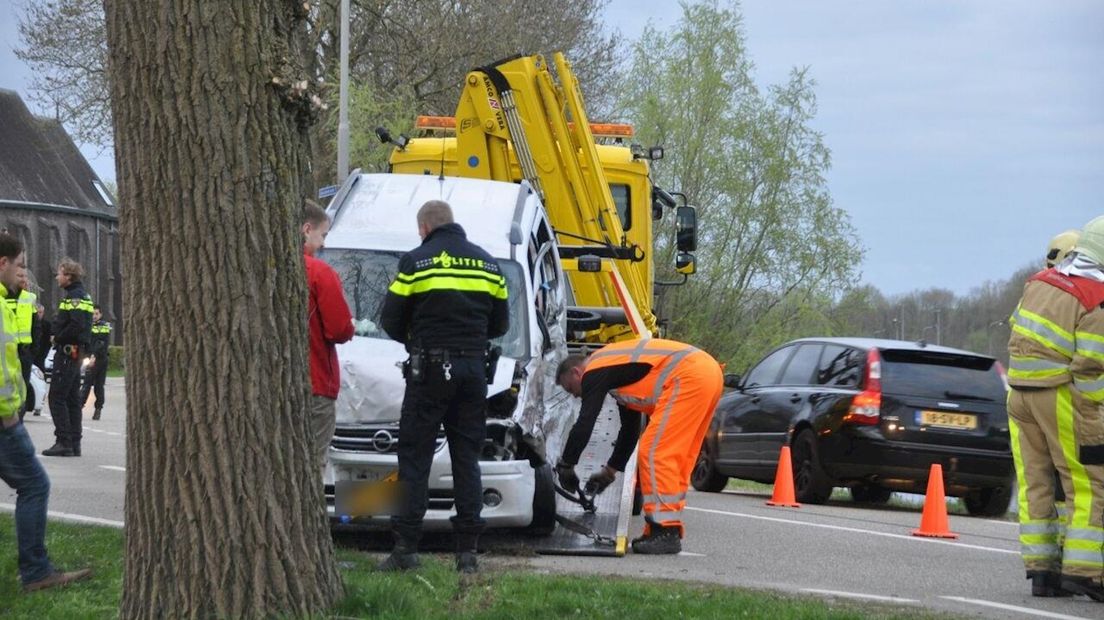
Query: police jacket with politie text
x=101 y=337
x=73 y=323
x=449 y=294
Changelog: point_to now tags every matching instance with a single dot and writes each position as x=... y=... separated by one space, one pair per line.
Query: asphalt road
x=837 y=550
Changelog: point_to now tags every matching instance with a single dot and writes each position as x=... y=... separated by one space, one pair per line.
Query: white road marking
x=858 y=531
x=113 y=467
x=1023 y=610
x=65 y=516
x=102 y=432
x=872 y=597
x=692 y=554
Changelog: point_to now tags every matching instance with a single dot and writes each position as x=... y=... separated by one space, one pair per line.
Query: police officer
x=1056 y=372
x=95 y=375
x=72 y=334
x=447 y=301
x=22 y=303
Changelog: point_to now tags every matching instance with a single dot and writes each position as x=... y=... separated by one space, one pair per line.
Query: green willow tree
x=225 y=515
x=773 y=250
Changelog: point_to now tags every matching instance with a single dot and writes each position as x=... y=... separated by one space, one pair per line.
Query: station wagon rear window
x=933 y=374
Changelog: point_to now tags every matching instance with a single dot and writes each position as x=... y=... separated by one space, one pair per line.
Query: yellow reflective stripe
x=1090 y=345
x=1044 y=331
x=1091 y=389
x=450 y=283
x=1067 y=438
x=450 y=271
x=1017 y=459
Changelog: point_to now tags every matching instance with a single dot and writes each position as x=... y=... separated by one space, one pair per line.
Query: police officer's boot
x=1088 y=586
x=58 y=449
x=466 y=559
x=404 y=556
x=1046 y=583
x=96 y=414
x=659 y=540
x=74 y=447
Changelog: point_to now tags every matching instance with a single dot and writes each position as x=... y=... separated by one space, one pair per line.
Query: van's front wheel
x=544 y=502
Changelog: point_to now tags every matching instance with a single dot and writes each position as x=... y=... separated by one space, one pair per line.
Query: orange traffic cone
x=933 y=523
x=784 y=482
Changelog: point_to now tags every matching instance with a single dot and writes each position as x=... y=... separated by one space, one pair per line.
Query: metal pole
x=343 y=106
x=938 y=327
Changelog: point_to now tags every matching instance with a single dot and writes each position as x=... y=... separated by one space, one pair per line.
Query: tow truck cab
x=373 y=226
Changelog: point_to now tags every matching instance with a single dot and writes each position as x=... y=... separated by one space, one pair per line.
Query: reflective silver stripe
x=1041 y=551
x=1090 y=344
x=1080 y=556
x=640 y=348
x=631 y=400
x=667 y=515
x=672 y=362
x=653 y=497
x=1088 y=386
x=1030 y=363
x=1039 y=527
x=671 y=499
x=1043 y=331
x=1080 y=533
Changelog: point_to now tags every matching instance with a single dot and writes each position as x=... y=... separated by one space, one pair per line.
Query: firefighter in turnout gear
x=677 y=386
x=1056 y=371
x=23 y=304
x=96 y=373
x=72 y=334
x=447 y=301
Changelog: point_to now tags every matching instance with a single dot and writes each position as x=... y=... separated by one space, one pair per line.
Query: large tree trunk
x=224 y=509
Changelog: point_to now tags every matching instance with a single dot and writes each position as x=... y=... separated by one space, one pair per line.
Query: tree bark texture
x=224 y=509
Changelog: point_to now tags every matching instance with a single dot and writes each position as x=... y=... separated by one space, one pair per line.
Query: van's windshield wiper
x=950 y=394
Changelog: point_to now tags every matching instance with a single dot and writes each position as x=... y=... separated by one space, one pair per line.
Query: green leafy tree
x=773 y=250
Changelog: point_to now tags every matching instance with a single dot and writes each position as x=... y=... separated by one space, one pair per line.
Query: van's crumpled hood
x=372 y=385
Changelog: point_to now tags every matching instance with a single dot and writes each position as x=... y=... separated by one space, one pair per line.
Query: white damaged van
x=373 y=226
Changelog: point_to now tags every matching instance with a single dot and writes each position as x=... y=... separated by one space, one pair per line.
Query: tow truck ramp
x=608 y=525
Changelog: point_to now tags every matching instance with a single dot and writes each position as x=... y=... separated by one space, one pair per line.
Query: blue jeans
x=20 y=469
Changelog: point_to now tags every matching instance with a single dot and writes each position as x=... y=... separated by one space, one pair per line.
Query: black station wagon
x=872 y=415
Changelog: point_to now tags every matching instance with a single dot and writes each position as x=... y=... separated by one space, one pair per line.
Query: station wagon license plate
x=948 y=419
x=366 y=498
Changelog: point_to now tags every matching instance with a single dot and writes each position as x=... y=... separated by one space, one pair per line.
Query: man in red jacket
x=330 y=323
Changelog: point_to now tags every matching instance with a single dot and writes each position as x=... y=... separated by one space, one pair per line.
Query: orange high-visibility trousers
x=670 y=443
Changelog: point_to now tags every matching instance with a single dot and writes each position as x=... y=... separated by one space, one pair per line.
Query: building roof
x=39 y=163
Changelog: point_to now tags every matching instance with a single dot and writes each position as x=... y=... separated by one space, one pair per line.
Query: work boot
x=57 y=578
x=404 y=556
x=1084 y=585
x=58 y=449
x=659 y=541
x=96 y=414
x=75 y=448
x=467 y=563
x=1046 y=584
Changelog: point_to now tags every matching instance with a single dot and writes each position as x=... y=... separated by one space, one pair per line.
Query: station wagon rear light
x=1003 y=375
x=866 y=406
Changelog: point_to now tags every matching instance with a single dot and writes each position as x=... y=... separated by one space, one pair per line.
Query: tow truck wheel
x=544 y=502
x=583 y=320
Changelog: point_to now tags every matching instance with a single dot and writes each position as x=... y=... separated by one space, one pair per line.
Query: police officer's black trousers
x=94 y=381
x=26 y=361
x=461 y=404
x=65 y=407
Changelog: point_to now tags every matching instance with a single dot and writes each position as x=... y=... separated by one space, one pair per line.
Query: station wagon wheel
x=811 y=484
x=705 y=476
x=988 y=502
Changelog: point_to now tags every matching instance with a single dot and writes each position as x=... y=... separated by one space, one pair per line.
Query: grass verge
x=505 y=589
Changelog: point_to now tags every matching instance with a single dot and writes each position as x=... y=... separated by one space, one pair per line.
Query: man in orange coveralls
x=675 y=384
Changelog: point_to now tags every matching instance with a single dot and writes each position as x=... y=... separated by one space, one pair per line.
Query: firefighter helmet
x=1091 y=243
x=1060 y=245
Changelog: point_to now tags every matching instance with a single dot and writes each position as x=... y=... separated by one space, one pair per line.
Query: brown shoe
x=57 y=578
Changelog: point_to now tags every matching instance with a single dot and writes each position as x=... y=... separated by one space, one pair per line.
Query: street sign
x=326 y=192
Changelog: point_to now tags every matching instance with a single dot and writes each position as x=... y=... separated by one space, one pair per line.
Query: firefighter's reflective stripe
x=1092 y=390
x=1042 y=330
x=12 y=388
x=1039 y=540
x=1090 y=345
x=1034 y=368
x=441 y=279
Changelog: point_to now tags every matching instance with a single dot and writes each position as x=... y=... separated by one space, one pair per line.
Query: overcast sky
x=964 y=133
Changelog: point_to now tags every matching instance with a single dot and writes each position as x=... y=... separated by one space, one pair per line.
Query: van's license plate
x=948 y=419
x=366 y=498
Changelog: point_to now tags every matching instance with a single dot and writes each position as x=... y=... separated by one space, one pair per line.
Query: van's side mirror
x=685 y=263
x=732 y=380
x=686 y=229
